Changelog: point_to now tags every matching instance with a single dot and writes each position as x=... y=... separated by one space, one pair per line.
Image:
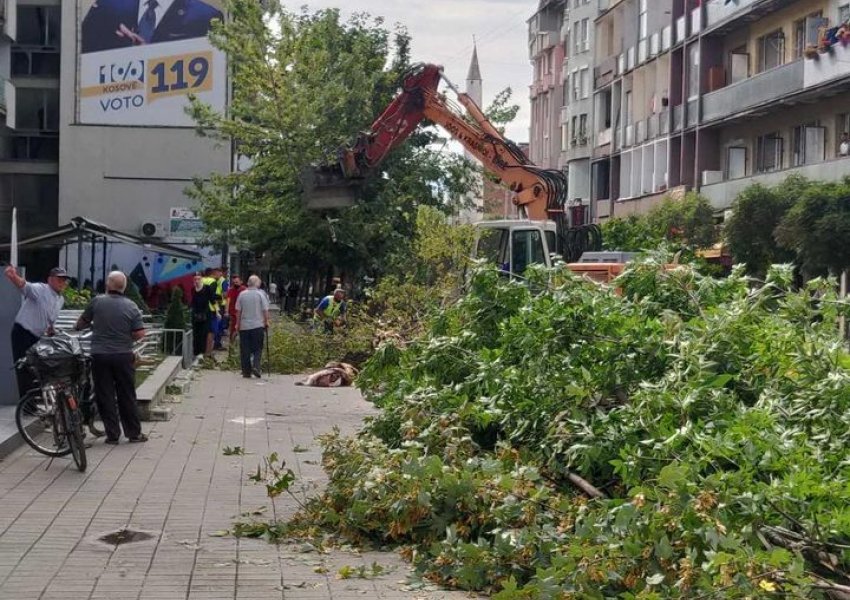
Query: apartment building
x=714 y=96
x=546 y=51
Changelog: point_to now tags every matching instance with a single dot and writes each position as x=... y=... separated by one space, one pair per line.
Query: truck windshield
x=492 y=247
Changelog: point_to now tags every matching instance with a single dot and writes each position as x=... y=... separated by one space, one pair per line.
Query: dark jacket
x=200 y=304
x=184 y=20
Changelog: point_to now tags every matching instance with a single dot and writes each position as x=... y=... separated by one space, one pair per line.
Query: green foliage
x=816 y=228
x=76 y=299
x=688 y=222
x=303 y=85
x=707 y=413
x=175 y=317
x=132 y=292
x=798 y=221
x=756 y=213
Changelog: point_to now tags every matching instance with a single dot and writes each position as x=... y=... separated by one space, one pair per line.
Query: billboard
x=141 y=59
x=184 y=223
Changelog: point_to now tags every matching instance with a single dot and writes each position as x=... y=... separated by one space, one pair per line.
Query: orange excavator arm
x=541 y=192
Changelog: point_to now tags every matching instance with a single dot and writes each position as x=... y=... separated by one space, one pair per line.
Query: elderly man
x=39 y=310
x=116 y=323
x=252 y=320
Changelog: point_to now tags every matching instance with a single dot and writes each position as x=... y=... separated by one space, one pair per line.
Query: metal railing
x=158 y=341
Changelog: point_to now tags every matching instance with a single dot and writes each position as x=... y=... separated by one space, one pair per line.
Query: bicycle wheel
x=70 y=414
x=40 y=425
x=88 y=409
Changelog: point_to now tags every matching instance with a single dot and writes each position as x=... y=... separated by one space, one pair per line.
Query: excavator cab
x=514 y=245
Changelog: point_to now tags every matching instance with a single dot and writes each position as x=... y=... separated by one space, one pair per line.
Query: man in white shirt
x=844 y=147
x=39 y=310
x=252 y=321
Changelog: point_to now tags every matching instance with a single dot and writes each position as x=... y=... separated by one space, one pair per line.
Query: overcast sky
x=442 y=33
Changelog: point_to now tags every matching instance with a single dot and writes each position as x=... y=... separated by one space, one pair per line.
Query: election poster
x=140 y=60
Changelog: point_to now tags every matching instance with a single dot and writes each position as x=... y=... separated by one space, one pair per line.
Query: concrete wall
x=123 y=176
x=10 y=301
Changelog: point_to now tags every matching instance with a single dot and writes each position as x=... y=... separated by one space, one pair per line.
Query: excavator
x=540 y=194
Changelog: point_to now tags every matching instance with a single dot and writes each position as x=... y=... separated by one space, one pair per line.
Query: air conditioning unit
x=152 y=229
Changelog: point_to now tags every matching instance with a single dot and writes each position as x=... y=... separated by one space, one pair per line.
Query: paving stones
x=182 y=490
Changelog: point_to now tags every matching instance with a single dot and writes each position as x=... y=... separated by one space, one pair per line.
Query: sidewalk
x=177 y=489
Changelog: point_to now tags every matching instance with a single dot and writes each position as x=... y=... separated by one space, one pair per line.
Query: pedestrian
x=221 y=287
x=116 y=324
x=273 y=291
x=330 y=312
x=252 y=321
x=844 y=147
x=199 y=306
x=210 y=281
x=233 y=292
x=39 y=310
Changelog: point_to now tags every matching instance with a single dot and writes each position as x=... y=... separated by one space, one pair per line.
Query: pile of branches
x=675 y=436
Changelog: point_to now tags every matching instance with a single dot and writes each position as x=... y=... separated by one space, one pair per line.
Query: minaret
x=474 y=89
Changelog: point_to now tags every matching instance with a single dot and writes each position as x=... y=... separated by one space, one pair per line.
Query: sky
x=442 y=33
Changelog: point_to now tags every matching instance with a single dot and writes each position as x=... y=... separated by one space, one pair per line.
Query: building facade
x=55 y=166
x=693 y=95
x=30 y=48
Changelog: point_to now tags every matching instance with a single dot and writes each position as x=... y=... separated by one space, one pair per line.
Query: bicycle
x=49 y=416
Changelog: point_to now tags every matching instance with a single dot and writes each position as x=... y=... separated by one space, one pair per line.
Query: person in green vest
x=330 y=312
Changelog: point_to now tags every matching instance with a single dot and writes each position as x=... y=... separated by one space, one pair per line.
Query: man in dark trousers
x=252 y=321
x=116 y=324
x=39 y=309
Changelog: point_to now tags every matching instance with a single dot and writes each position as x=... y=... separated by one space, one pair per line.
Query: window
x=35 y=147
x=736 y=162
x=29 y=62
x=581 y=33
x=768 y=152
x=843 y=13
x=807 y=33
x=38 y=26
x=809 y=144
x=693 y=70
x=37 y=109
x=582 y=129
x=492 y=246
x=771 y=48
x=565 y=137
x=526 y=249
x=739 y=65
x=643 y=20
x=584 y=82
x=575 y=130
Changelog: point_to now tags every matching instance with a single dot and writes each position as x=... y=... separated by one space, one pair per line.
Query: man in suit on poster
x=111 y=24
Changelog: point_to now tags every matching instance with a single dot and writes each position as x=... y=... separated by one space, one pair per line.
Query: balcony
x=696 y=21
x=721 y=195
x=681 y=29
x=723 y=12
x=678 y=118
x=760 y=89
x=666 y=38
x=604 y=72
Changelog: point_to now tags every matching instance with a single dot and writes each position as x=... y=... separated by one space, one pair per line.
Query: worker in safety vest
x=210 y=281
x=330 y=312
x=221 y=287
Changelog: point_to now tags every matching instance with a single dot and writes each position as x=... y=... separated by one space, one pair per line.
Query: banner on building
x=184 y=223
x=141 y=59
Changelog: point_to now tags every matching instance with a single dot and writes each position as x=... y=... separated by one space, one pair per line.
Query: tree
x=816 y=227
x=688 y=221
x=175 y=316
x=303 y=85
x=756 y=213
